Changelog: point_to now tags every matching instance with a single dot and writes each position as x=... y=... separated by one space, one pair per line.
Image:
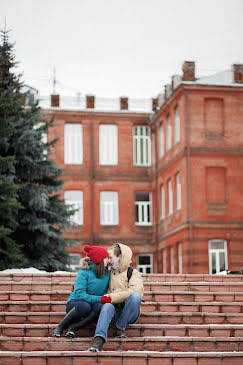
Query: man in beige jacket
x=123 y=299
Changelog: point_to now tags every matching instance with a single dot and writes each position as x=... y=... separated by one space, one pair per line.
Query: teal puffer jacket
x=87 y=287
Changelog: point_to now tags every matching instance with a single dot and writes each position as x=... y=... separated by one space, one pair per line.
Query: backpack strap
x=129 y=273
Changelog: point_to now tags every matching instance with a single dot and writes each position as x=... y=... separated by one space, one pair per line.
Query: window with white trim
x=145 y=264
x=170 y=197
x=168 y=134
x=161 y=140
x=73 y=144
x=218 y=261
x=172 y=262
x=164 y=258
x=108 y=145
x=74 y=198
x=180 y=258
x=143 y=209
x=109 y=207
x=162 y=202
x=178 y=192
x=141 y=146
x=177 y=125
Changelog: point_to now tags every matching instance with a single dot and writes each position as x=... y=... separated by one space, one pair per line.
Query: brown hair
x=116 y=249
x=100 y=269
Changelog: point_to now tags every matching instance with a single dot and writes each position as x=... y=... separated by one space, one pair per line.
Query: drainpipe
x=156 y=198
x=188 y=174
x=92 y=180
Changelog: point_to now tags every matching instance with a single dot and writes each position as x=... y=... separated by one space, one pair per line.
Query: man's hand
x=105 y=299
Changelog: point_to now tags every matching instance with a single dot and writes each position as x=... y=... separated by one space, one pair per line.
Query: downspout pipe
x=92 y=183
x=156 y=198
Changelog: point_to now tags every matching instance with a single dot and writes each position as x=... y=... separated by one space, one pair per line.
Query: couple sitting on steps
x=109 y=296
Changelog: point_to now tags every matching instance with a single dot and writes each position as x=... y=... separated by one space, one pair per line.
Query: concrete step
x=120 y=358
x=55 y=306
x=70 y=277
x=135 y=330
x=145 y=318
x=154 y=296
x=148 y=286
x=159 y=343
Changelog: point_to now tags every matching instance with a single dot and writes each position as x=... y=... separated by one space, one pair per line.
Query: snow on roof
x=223 y=78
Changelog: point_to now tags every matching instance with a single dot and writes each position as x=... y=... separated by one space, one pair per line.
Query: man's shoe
x=119 y=333
x=97 y=344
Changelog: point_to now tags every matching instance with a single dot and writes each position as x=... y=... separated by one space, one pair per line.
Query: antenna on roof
x=54 y=81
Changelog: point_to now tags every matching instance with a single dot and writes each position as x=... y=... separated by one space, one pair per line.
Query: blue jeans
x=119 y=316
x=83 y=307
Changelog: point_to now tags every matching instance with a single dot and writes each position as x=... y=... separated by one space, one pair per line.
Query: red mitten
x=105 y=299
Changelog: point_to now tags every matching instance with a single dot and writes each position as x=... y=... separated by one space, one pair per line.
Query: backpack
x=129 y=273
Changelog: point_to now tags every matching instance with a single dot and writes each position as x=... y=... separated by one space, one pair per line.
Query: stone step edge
x=142 y=354
x=146 y=292
x=165 y=283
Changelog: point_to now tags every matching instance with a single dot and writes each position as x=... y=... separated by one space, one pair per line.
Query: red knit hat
x=96 y=253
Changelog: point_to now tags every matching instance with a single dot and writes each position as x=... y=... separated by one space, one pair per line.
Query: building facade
x=167 y=182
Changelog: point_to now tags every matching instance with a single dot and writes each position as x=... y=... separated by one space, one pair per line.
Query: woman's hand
x=105 y=299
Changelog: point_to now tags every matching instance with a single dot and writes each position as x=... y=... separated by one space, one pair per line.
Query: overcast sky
x=121 y=47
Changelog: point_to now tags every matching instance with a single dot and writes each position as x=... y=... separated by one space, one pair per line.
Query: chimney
x=188 y=69
x=155 y=104
x=168 y=91
x=90 y=101
x=123 y=103
x=55 y=100
x=175 y=81
x=238 y=73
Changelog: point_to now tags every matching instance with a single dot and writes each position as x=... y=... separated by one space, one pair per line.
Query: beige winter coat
x=119 y=288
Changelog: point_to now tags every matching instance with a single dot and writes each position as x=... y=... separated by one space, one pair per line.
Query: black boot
x=119 y=333
x=77 y=325
x=97 y=344
x=70 y=317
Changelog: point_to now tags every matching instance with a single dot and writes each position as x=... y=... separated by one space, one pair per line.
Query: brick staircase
x=186 y=319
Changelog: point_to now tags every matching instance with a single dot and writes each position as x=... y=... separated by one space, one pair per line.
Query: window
x=178 y=192
x=170 y=197
x=108 y=144
x=161 y=140
x=142 y=146
x=177 y=125
x=109 y=207
x=164 y=257
x=168 y=134
x=145 y=264
x=218 y=261
x=74 y=198
x=180 y=258
x=162 y=202
x=73 y=148
x=172 y=263
x=74 y=262
x=143 y=209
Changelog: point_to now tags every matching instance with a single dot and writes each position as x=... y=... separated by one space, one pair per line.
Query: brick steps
x=148 y=286
x=158 y=343
x=146 y=317
x=135 y=330
x=54 y=306
x=155 y=296
x=120 y=358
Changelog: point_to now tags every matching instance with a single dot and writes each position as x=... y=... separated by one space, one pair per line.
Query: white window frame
x=172 y=260
x=108 y=144
x=142 y=207
x=161 y=140
x=177 y=125
x=142 y=268
x=217 y=252
x=170 y=197
x=144 y=139
x=78 y=217
x=73 y=143
x=168 y=134
x=164 y=258
x=180 y=258
x=110 y=209
x=178 y=192
x=162 y=202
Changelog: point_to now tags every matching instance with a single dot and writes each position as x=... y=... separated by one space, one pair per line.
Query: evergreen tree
x=10 y=111
x=43 y=215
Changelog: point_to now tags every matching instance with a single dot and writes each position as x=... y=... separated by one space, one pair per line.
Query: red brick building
x=168 y=183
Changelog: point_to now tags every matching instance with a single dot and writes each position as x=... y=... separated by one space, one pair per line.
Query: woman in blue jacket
x=91 y=285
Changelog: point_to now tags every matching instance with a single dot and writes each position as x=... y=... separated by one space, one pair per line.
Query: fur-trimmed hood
x=84 y=263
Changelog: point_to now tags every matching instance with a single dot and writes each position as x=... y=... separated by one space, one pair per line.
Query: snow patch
x=32 y=270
